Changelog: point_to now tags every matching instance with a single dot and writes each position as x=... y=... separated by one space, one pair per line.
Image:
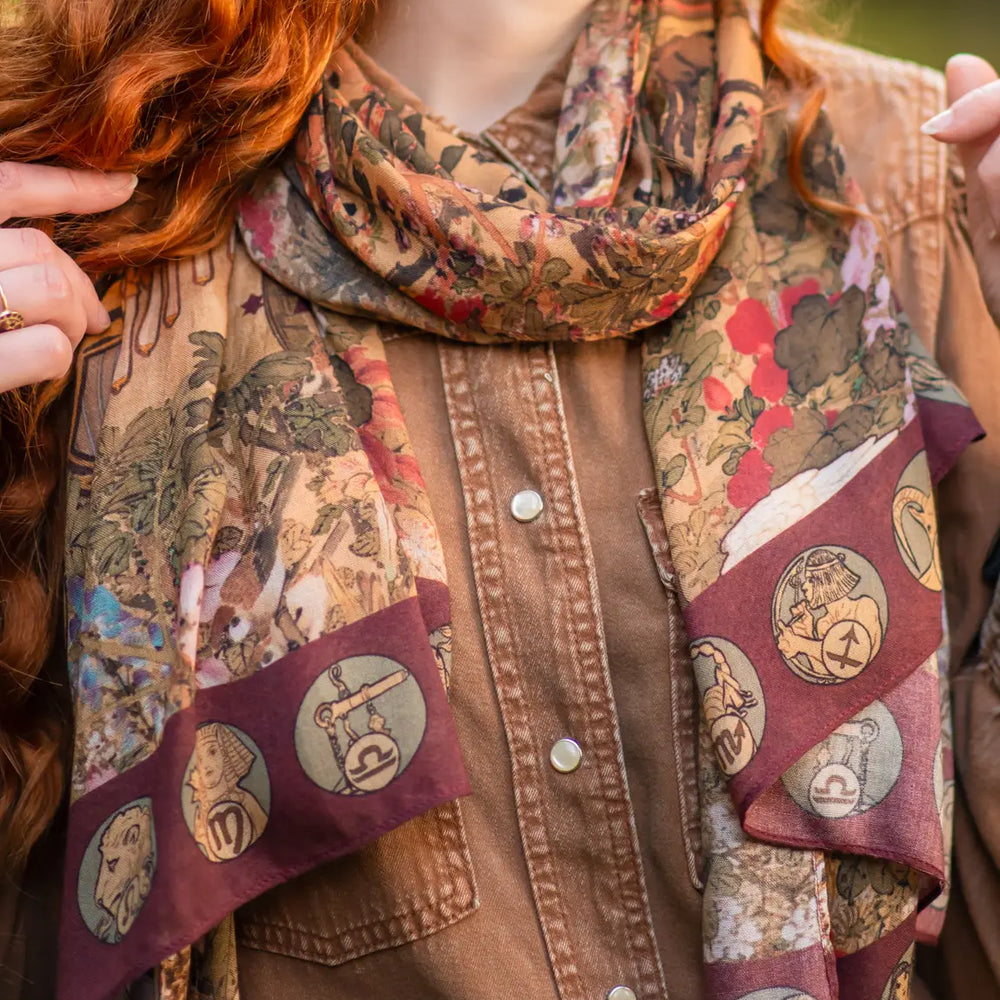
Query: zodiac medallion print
x=853 y=769
x=226 y=794
x=116 y=874
x=732 y=701
x=898 y=985
x=360 y=724
x=778 y=993
x=440 y=640
x=914 y=523
x=829 y=614
x=944 y=797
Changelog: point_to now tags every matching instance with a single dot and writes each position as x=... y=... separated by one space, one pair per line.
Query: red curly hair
x=194 y=96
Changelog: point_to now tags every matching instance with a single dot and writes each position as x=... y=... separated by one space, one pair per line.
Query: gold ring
x=10 y=319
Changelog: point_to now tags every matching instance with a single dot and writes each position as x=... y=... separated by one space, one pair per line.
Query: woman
x=249 y=542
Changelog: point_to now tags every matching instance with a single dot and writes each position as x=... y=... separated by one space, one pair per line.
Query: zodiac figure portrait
x=914 y=524
x=127 y=859
x=731 y=702
x=828 y=618
x=223 y=813
x=853 y=769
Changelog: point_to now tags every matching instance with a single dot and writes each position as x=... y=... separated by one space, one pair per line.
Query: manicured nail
x=938 y=123
x=125 y=182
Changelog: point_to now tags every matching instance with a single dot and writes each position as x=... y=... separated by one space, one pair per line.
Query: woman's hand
x=55 y=298
x=972 y=123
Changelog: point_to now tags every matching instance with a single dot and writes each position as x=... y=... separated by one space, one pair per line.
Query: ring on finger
x=10 y=319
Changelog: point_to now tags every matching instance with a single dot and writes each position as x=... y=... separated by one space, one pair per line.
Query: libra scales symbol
x=368 y=762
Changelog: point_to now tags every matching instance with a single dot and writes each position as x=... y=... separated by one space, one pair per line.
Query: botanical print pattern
x=760 y=900
x=869 y=899
x=246 y=513
x=193 y=499
x=251 y=496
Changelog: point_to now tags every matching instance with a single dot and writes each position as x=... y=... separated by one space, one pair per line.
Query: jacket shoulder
x=876 y=105
x=837 y=59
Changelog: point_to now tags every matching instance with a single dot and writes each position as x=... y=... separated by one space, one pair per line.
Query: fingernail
x=105 y=318
x=938 y=123
x=125 y=182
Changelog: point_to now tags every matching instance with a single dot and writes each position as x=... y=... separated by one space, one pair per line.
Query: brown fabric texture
x=596 y=381
x=588 y=880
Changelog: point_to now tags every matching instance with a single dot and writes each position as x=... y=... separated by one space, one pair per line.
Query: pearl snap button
x=565 y=755
x=621 y=993
x=526 y=506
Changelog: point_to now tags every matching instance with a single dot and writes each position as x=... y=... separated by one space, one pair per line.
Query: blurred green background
x=927 y=31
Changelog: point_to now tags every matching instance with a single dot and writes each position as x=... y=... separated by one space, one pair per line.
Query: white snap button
x=526 y=506
x=621 y=993
x=565 y=755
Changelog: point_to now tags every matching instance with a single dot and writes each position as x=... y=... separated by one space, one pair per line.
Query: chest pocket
x=685 y=716
x=410 y=883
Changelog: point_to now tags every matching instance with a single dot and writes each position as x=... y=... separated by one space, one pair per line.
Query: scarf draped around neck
x=259 y=635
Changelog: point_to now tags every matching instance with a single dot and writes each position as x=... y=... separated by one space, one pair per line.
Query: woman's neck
x=473 y=60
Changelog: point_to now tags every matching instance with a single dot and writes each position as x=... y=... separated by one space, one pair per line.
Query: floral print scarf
x=259 y=636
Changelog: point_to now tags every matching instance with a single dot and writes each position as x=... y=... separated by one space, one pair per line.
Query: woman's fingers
x=967 y=73
x=974 y=96
x=983 y=182
x=34 y=354
x=972 y=124
x=44 y=294
x=23 y=247
x=54 y=298
x=32 y=190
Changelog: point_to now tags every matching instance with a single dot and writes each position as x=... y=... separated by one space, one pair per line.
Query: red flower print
x=530 y=225
x=385 y=468
x=668 y=305
x=369 y=371
x=769 y=380
x=768 y=422
x=461 y=310
x=717 y=396
x=751 y=328
x=431 y=301
x=791 y=297
x=752 y=481
x=257 y=218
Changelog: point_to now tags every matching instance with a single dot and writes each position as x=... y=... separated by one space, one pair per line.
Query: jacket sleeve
x=916 y=193
x=967 y=344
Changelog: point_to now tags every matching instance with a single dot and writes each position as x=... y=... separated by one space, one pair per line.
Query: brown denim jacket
x=565 y=877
